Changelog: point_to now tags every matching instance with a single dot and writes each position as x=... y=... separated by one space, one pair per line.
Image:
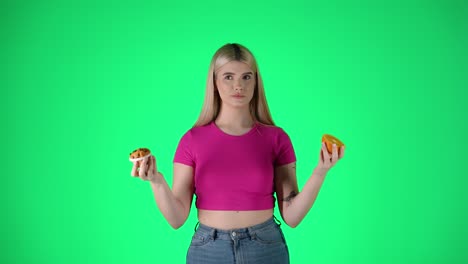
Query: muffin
x=139 y=154
x=330 y=140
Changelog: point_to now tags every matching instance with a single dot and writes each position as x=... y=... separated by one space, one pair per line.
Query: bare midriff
x=233 y=219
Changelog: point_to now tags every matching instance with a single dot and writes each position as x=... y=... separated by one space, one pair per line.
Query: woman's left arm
x=294 y=205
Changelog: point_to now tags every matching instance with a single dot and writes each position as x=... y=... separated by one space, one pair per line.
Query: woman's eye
x=247 y=77
x=228 y=77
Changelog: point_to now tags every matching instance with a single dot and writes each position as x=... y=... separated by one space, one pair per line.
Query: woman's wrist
x=157 y=179
x=319 y=172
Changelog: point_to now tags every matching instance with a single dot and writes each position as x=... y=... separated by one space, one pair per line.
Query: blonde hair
x=211 y=106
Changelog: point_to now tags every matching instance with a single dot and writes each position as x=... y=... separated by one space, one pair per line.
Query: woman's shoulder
x=276 y=135
x=197 y=130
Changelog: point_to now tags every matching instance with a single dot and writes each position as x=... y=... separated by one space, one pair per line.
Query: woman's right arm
x=174 y=204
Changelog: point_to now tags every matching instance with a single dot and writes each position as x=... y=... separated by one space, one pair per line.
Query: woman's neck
x=238 y=119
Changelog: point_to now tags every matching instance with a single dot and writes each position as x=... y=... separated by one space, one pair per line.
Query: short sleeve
x=184 y=152
x=284 y=149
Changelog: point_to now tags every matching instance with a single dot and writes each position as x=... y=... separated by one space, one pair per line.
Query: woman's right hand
x=146 y=169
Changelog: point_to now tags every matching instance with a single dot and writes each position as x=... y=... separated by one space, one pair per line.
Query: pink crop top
x=234 y=172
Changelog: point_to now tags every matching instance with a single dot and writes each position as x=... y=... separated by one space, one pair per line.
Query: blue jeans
x=262 y=243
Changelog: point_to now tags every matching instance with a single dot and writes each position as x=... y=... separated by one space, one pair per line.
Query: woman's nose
x=238 y=85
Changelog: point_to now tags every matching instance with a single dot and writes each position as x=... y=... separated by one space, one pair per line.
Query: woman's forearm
x=297 y=208
x=171 y=208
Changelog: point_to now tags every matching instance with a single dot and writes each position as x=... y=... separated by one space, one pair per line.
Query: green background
x=84 y=83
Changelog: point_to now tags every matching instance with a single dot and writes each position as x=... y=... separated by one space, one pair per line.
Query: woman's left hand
x=327 y=160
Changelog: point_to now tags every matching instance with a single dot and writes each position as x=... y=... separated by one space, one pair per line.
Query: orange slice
x=330 y=140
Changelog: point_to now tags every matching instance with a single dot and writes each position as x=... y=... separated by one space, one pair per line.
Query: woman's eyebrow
x=231 y=73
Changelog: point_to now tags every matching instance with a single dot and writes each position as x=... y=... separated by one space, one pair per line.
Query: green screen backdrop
x=84 y=83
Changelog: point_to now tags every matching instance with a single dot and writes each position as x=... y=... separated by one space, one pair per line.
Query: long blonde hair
x=212 y=104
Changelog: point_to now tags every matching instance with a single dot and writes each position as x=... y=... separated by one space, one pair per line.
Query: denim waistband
x=239 y=233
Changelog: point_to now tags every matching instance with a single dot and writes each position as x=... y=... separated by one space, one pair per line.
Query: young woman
x=234 y=159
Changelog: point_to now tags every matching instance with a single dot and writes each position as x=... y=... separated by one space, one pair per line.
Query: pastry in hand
x=139 y=154
x=330 y=140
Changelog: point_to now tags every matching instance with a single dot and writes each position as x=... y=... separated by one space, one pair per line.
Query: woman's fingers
x=328 y=160
x=151 y=170
x=155 y=165
x=144 y=169
x=325 y=154
x=341 y=152
x=334 y=157
x=134 y=172
x=151 y=165
x=321 y=156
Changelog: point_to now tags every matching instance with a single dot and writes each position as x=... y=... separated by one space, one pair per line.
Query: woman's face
x=236 y=83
